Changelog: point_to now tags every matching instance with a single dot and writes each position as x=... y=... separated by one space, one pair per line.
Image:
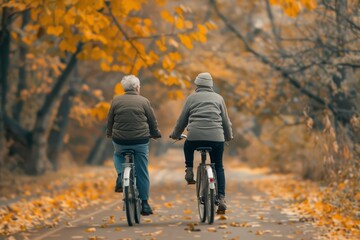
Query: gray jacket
x=205 y=116
x=131 y=117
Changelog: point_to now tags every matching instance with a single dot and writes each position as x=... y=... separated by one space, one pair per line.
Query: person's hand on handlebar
x=173 y=137
x=177 y=138
x=157 y=135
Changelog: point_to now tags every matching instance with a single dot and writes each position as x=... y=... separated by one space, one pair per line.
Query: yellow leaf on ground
x=187 y=211
x=90 y=230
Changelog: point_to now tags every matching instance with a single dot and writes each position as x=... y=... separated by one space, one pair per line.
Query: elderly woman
x=131 y=123
x=208 y=125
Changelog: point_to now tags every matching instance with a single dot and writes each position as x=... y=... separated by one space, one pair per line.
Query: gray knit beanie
x=204 y=79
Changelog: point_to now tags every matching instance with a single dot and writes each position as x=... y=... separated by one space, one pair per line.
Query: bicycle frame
x=209 y=170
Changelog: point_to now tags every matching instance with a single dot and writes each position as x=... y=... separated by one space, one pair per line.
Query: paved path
x=251 y=214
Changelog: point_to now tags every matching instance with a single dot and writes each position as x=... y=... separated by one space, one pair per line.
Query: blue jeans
x=141 y=166
x=216 y=157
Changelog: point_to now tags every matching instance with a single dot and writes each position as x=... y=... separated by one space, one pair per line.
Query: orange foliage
x=293 y=7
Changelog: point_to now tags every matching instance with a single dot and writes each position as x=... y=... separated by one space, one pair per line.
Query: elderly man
x=131 y=123
x=208 y=125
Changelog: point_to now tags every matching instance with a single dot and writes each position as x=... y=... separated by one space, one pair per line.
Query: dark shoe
x=189 y=175
x=146 y=209
x=222 y=205
x=118 y=184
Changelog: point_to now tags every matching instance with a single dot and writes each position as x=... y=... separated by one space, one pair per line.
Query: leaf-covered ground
x=80 y=204
x=38 y=202
x=335 y=210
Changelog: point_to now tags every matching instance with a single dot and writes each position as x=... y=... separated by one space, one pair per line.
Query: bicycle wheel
x=210 y=204
x=200 y=186
x=137 y=206
x=129 y=203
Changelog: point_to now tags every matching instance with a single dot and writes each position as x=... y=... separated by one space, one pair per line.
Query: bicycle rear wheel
x=137 y=206
x=129 y=199
x=210 y=204
x=200 y=186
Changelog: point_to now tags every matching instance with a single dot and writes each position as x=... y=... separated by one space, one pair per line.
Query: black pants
x=216 y=156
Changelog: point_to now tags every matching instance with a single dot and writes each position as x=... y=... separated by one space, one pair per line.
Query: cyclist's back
x=131 y=122
x=205 y=116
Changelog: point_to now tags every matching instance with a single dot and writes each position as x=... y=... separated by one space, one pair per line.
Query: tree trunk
x=4 y=65
x=96 y=155
x=22 y=71
x=58 y=131
x=38 y=159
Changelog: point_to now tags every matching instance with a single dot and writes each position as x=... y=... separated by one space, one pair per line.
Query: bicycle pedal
x=191 y=183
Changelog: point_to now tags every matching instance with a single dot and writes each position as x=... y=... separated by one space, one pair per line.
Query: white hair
x=130 y=82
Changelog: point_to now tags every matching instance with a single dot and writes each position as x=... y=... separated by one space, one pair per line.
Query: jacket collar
x=131 y=92
x=204 y=89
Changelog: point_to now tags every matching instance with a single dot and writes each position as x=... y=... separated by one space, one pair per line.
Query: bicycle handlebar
x=182 y=136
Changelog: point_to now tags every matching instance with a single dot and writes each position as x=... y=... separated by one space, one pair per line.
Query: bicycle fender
x=127 y=176
x=211 y=177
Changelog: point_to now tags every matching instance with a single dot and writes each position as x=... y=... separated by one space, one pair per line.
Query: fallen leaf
x=168 y=204
x=187 y=211
x=147 y=220
x=223 y=217
x=90 y=230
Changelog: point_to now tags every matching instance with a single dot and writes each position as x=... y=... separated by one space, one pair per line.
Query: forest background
x=287 y=69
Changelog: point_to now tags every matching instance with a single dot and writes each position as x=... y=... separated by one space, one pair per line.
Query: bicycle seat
x=204 y=149
x=128 y=151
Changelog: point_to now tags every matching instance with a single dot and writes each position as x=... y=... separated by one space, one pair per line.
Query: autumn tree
x=306 y=56
x=117 y=35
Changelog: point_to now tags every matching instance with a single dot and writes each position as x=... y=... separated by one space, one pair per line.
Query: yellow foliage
x=161 y=43
x=175 y=56
x=309 y=4
x=119 y=90
x=167 y=16
x=167 y=63
x=179 y=23
x=202 y=29
x=293 y=7
x=151 y=58
x=55 y=30
x=112 y=35
x=161 y=2
x=185 y=40
x=176 y=95
x=100 y=111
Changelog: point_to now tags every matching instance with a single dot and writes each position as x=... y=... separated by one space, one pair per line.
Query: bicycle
x=132 y=202
x=206 y=186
